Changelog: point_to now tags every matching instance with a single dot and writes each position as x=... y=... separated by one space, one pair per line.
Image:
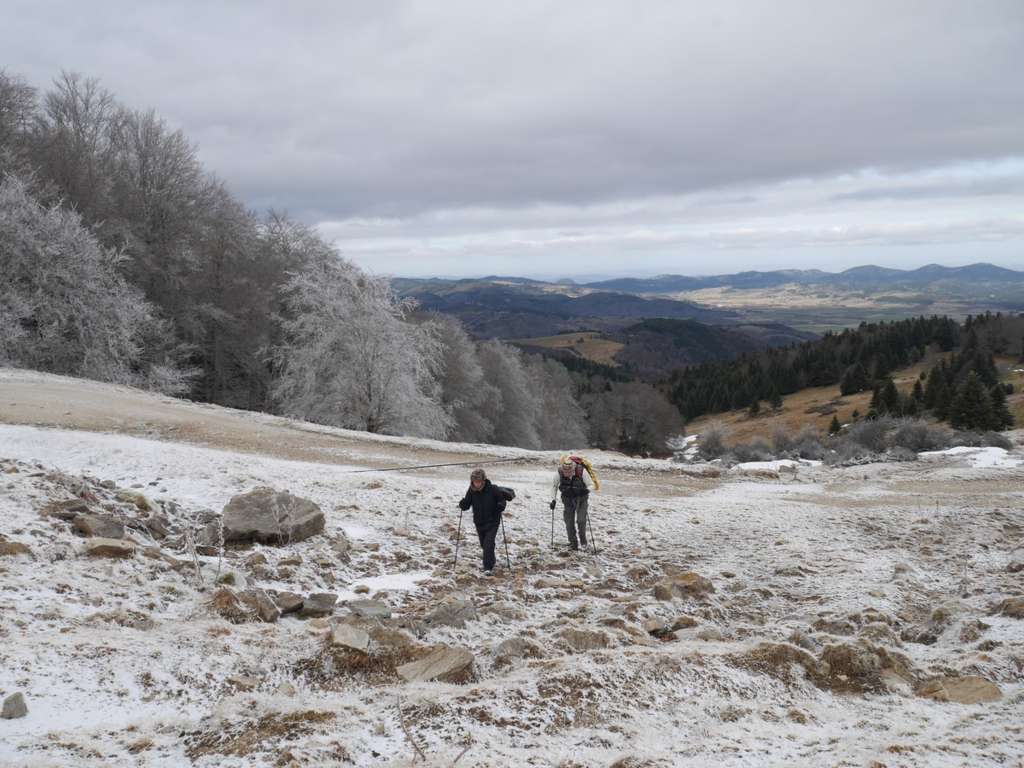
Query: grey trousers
x=574 y=513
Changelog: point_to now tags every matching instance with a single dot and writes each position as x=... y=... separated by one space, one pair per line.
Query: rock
x=657 y=628
x=288 y=602
x=709 y=634
x=341 y=545
x=1012 y=607
x=271 y=517
x=259 y=602
x=506 y=610
x=65 y=510
x=684 y=622
x=98 y=525
x=318 y=604
x=158 y=525
x=686 y=584
x=100 y=547
x=243 y=682
x=136 y=498
x=452 y=612
x=13 y=548
x=14 y=707
x=362 y=589
x=582 y=640
x=289 y=562
x=1015 y=567
x=353 y=638
x=256 y=558
x=448 y=665
x=960 y=690
x=515 y=648
x=369 y=609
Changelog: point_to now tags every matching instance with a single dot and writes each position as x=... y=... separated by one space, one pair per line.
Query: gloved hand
x=552 y=505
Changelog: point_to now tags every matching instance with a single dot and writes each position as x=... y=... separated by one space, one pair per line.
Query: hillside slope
x=803 y=617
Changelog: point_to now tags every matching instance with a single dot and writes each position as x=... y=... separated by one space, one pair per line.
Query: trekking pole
x=590 y=525
x=457 y=537
x=552 y=527
x=504 y=537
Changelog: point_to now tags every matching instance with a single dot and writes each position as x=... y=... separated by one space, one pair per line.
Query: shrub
x=756 y=450
x=916 y=435
x=781 y=440
x=871 y=434
x=807 y=443
x=711 y=442
x=997 y=440
x=899 y=453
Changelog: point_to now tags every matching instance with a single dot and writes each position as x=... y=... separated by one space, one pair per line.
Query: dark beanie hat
x=478 y=474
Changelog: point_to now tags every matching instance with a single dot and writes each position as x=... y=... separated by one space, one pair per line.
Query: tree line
x=963 y=388
x=854 y=358
x=125 y=260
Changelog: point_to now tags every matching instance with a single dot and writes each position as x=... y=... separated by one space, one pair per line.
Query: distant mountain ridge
x=867 y=276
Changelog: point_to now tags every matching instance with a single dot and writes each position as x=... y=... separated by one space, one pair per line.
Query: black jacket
x=488 y=503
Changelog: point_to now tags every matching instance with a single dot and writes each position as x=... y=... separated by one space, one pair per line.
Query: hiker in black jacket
x=488 y=503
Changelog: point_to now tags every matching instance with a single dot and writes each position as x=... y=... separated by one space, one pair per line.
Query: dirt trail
x=43 y=400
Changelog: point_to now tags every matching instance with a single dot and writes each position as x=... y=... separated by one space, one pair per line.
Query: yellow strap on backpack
x=587 y=466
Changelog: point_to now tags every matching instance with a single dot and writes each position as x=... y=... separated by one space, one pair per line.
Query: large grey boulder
x=14 y=707
x=350 y=637
x=318 y=604
x=271 y=517
x=369 y=609
x=447 y=665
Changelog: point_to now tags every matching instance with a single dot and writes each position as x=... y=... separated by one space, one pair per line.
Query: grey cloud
x=339 y=110
x=961 y=189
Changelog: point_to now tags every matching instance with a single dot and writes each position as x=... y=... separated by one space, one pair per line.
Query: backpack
x=579 y=464
x=507 y=493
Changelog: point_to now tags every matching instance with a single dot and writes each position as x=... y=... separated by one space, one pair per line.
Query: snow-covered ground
x=124 y=662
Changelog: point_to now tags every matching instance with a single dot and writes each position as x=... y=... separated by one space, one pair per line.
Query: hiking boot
x=488 y=573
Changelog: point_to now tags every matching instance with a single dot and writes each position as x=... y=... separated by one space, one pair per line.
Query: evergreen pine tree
x=776 y=399
x=835 y=426
x=755 y=408
x=971 y=407
x=918 y=392
x=1001 y=416
x=891 y=399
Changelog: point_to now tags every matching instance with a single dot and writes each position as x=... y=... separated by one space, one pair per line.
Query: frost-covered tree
x=17 y=110
x=64 y=306
x=514 y=412
x=464 y=390
x=561 y=422
x=350 y=358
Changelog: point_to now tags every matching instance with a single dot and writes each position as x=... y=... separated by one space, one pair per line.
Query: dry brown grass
x=814 y=406
x=247 y=737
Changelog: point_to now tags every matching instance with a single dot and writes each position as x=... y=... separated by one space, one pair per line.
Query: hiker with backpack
x=571 y=482
x=488 y=502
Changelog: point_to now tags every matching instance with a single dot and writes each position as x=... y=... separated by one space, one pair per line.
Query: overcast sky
x=584 y=138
